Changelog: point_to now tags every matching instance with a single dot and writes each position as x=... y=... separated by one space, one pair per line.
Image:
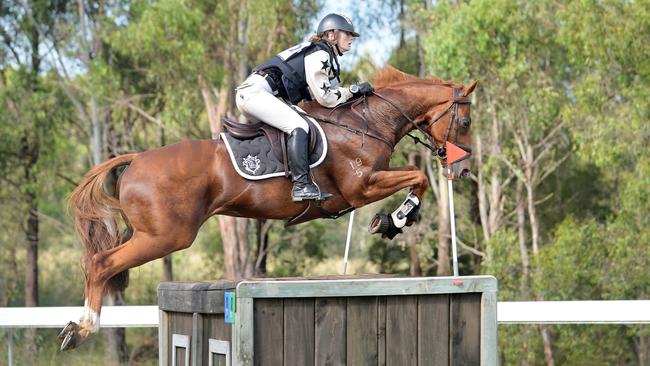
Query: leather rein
x=438 y=151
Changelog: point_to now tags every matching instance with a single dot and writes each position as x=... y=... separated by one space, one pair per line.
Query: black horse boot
x=297 y=151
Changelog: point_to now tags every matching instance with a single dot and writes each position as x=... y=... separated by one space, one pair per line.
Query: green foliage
x=581 y=65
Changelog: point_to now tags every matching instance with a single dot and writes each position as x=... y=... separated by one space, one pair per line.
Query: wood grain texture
x=330 y=335
x=465 y=329
x=362 y=348
x=401 y=330
x=433 y=330
x=299 y=341
x=268 y=321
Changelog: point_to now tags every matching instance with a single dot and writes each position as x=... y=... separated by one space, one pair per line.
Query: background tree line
x=556 y=208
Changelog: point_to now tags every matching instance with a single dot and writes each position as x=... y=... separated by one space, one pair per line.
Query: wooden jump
x=342 y=320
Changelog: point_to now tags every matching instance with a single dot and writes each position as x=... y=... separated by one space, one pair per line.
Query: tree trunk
x=412 y=235
x=521 y=223
x=31 y=265
x=548 y=351
x=167 y=268
x=237 y=262
x=262 y=246
x=444 y=232
x=30 y=151
x=643 y=347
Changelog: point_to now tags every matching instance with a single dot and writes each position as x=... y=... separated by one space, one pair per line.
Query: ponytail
x=317 y=37
x=322 y=37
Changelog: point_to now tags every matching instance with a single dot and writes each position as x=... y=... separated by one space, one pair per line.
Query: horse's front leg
x=382 y=184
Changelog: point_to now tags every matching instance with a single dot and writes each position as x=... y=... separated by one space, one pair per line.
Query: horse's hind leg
x=140 y=249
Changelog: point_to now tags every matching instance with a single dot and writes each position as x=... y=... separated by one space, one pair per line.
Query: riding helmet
x=336 y=22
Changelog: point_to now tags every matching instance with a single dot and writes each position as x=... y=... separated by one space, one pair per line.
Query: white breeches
x=256 y=101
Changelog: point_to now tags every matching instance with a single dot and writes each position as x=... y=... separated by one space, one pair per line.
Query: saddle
x=259 y=151
x=277 y=139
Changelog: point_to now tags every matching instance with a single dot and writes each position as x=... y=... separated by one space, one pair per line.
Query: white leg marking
x=89 y=318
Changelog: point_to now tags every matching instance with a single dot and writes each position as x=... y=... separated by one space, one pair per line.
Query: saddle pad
x=253 y=158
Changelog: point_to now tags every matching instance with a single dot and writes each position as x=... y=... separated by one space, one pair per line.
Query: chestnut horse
x=166 y=194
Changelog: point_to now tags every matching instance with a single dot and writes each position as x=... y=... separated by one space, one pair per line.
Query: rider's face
x=344 y=40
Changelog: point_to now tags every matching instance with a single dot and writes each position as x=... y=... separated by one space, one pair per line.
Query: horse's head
x=439 y=109
x=451 y=121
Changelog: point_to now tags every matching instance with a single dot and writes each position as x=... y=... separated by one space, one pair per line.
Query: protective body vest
x=291 y=64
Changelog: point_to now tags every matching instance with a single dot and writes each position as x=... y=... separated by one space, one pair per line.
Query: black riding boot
x=297 y=151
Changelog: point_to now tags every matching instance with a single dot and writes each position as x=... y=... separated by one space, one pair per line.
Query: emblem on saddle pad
x=251 y=163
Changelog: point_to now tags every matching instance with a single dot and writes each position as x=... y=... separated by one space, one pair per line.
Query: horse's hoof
x=70 y=336
x=379 y=224
x=71 y=326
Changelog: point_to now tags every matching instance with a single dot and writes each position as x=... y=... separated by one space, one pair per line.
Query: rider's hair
x=320 y=36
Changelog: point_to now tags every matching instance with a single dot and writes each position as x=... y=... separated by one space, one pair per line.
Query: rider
x=306 y=71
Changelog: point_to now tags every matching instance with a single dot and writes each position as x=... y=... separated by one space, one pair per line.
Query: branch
x=467 y=247
x=516 y=171
x=58 y=224
x=151 y=118
x=553 y=167
x=67 y=179
x=8 y=42
x=542 y=200
x=554 y=131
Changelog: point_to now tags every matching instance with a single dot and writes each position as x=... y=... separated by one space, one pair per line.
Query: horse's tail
x=97 y=216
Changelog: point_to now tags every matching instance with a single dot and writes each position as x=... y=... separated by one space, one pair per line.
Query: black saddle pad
x=254 y=158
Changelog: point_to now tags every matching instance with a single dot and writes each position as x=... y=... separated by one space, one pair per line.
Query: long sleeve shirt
x=325 y=91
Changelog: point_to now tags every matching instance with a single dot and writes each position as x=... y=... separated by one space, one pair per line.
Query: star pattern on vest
x=338 y=94
x=325 y=88
x=326 y=65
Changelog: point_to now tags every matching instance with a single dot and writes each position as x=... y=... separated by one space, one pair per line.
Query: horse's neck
x=393 y=122
x=382 y=118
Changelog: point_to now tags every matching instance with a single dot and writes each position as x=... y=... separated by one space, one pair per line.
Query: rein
x=440 y=152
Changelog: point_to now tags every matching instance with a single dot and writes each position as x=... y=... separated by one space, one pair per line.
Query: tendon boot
x=297 y=151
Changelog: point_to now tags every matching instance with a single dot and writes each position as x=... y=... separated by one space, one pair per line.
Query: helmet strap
x=338 y=50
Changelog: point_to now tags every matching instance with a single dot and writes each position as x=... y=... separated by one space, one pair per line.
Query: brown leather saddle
x=277 y=138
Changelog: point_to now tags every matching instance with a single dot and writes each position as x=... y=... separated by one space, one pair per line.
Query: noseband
x=439 y=151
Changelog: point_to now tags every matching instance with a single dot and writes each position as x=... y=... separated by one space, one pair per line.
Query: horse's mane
x=390 y=76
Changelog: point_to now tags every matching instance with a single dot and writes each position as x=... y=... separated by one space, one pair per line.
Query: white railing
x=58 y=316
x=515 y=312
x=508 y=312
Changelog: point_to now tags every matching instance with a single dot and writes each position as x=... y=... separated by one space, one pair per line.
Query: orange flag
x=454 y=153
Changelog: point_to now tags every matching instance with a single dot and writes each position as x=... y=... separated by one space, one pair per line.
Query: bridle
x=438 y=151
x=454 y=102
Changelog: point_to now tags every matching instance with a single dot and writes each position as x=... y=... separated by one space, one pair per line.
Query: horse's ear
x=470 y=88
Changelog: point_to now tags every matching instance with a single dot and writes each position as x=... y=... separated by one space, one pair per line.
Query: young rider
x=307 y=71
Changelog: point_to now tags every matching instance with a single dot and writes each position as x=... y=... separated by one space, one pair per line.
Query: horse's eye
x=465 y=123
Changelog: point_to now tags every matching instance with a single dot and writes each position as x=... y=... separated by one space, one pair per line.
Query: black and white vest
x=291 y=63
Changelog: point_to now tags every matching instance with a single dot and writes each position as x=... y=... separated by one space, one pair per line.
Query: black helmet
x=336 y=22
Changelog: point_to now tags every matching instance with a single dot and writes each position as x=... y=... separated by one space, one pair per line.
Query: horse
x=165 y=194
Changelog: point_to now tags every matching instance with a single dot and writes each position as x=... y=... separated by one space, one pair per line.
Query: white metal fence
x=508 y=312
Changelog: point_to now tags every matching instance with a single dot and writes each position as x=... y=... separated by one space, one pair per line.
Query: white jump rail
x=574 y=312
x=59 y=316
x=508 y=312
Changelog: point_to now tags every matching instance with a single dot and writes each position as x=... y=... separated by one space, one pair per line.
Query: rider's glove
x=363 y=88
